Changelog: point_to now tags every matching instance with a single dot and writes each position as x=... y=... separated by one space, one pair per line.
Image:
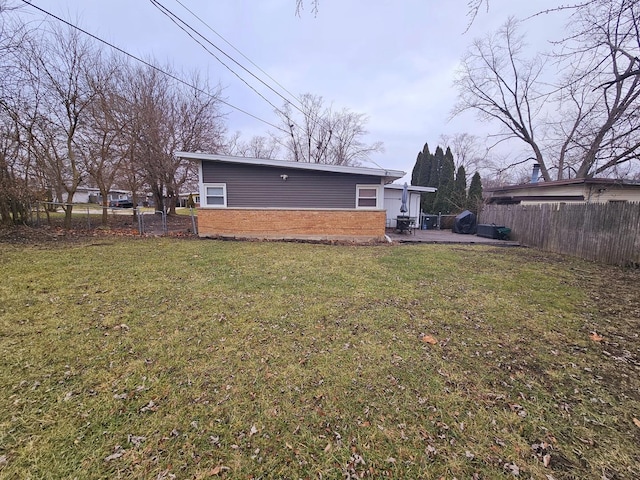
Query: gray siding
x=262 y=187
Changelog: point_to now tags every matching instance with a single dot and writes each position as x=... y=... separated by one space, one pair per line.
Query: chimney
x=535 y=174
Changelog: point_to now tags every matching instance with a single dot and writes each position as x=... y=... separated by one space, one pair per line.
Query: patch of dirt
x=117 y=226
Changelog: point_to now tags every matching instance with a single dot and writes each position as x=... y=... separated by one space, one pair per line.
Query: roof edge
x=378 y=172
x=571 y=181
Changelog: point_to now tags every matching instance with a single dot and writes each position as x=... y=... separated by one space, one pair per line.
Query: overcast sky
x=393 y=61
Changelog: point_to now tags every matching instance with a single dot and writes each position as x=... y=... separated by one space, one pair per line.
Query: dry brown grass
x=148 y=358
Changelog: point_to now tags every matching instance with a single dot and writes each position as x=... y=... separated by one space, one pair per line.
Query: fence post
x=193 y=222
x=165 y=229
x=140 y=221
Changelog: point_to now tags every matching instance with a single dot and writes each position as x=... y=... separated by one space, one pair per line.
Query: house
x=263 y=198
x=92 y=195
x=582 y=190
x=393 y=202
x=183 y=199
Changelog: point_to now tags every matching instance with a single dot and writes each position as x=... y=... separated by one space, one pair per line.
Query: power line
x=316 y=118
x=176 y=20
x=241 y=54
x=179 y=23
x=150 y=65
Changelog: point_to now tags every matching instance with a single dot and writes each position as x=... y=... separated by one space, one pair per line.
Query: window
x=367 y=196
x=215 y=195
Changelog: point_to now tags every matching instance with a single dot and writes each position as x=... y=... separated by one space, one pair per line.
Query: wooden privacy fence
x=603 y=232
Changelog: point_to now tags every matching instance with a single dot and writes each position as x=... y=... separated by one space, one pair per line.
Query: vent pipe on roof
x=535 y=174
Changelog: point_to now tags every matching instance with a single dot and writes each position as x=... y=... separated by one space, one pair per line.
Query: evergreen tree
x=425 y=170
x=474 y=199
x=442 y=203
x=436 y=167
x=431 y=179
x=422 y=167
x=459 y=199
x=415 y=173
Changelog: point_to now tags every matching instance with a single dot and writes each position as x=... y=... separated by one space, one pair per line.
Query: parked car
x=122 y=203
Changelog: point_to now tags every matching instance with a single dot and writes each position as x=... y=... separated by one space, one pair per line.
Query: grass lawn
x=189 y=359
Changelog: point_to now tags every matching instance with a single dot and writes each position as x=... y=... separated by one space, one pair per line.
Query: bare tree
x=15 y=191
x=468 y=152
x=168 y=118
x=317 y=134
x=585 y=123
x=500 y=84
x=257 y=147
x=604 y=85
x=104 y=145
x=300 y=6
x=60 y=66
x=14 y=186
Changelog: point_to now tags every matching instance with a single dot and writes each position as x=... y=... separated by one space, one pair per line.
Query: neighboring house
x=583 y=190
x=262 y=198
x=92 y=195
x=183 y=199
x=393 y=202
x=86 y=195
x=115 y=195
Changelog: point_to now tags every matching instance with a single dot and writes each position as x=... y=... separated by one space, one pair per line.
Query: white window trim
x=203 y=195
x=379 y=198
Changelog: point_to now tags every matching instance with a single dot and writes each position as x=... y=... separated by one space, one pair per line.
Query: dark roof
x=388 y=174
x=506 y=199
x=572 y=181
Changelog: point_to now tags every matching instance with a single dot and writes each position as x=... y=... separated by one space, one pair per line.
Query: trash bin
x=498 y=232
x=429 y=222
x=503 y=233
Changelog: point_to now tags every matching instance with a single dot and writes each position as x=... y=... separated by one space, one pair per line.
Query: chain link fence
x=142 y=220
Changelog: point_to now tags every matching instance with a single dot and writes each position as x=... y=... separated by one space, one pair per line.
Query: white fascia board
x=388 y=174
x=411 y=188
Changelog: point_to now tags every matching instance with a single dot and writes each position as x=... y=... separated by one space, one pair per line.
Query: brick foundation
x=351 y=225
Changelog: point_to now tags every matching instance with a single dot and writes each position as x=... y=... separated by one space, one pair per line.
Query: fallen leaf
x=117 y=454
x=546 y=460
x=429 y=339
x=149 y=407
x=215 y=470
x=136 y=440
x=637 y=422
x=253 y=431
x=595 y=337
x=328 y=447
x=512 y=468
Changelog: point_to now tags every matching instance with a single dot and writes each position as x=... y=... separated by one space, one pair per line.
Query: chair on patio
x=413 y=224
x=405 y=224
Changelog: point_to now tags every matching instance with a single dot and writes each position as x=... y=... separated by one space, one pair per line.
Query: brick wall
x=357 y=225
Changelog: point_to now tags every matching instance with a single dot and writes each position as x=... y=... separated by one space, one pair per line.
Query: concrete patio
x=445 y=236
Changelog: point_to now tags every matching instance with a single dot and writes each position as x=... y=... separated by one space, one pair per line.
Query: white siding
x=393 y=202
